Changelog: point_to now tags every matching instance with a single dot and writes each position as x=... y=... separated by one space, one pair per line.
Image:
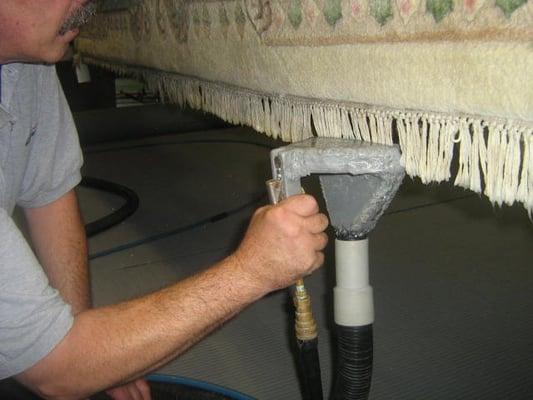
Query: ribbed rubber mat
x=453 y=317
x=452 y=282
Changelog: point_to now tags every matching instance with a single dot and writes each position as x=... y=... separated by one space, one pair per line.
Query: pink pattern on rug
x=471 y=8
x=406 y=8
x=356 y=8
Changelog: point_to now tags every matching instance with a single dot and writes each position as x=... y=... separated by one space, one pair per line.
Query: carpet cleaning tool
x=358 y=180
x=304 y=324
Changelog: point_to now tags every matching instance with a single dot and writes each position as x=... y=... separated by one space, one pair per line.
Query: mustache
x=80 y=17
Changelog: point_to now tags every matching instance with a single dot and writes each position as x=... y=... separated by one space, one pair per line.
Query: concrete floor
x=452 y=275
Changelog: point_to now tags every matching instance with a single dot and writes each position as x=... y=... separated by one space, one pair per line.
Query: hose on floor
x=186 y=388
x=162 y=387
x=181 y=229
x=128 y=208
x=132 y=200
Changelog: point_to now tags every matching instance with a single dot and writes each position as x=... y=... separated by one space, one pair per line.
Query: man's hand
x=136 y=390
x=283 y=243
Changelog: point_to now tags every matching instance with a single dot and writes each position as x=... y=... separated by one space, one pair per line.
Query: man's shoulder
x=27 y=70
x=30 y=79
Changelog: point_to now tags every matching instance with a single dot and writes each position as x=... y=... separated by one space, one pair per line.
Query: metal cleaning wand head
x=358 y=179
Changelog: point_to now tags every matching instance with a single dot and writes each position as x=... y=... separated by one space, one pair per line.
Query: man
x=50 y=338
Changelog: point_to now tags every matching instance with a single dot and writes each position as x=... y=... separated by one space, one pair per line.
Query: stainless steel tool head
x=358 y=179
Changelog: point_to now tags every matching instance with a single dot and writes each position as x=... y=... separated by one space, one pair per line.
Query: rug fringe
x=495 y=157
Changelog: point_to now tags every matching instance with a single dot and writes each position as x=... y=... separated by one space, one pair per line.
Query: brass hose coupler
x=304 y=324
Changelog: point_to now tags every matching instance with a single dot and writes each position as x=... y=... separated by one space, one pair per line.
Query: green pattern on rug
x=295 y=13
x=439 y=8
x=332 y=11
x=510 y=6
x=381 y=10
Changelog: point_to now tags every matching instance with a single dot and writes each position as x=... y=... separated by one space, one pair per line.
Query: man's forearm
x=58 y=238
x=114 y=344
x=124 y=341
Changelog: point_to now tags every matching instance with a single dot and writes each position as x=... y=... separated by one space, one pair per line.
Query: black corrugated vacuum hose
x=354 y=363
x=129 y=207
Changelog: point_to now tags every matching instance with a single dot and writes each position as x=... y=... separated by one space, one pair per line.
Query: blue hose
x=193 y=383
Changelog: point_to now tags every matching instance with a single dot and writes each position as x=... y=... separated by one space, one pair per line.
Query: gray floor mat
x=452 y=277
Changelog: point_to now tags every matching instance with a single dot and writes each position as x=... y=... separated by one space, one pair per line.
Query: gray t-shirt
x=40 y=160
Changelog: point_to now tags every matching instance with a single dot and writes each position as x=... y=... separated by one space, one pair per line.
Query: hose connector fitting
x=304 y=324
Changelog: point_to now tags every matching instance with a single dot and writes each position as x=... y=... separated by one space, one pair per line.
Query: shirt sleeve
x=33 y=316
x=55 y=156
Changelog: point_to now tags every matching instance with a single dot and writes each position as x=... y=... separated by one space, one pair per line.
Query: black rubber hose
x=175 y=231
x=128 y=208
x=309 y=365
x=354 y=363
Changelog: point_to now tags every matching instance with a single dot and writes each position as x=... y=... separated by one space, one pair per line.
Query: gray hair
x=80 y=17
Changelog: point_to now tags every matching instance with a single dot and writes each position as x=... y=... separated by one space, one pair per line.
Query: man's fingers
x=319 y=260
x=119 y=393
x=321 y=241
x=144 y=388
x=137 y=390
x=134 y=392
x=301 y=204
x=317 y=223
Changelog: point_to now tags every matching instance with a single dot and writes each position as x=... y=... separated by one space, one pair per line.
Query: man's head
x=40 y=30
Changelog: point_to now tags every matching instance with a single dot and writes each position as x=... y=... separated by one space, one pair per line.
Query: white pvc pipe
x=353 y=299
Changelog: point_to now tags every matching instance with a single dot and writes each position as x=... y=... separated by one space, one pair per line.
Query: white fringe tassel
x=494 y=157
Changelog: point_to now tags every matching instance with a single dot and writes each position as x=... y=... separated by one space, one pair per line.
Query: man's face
x=40 y=30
